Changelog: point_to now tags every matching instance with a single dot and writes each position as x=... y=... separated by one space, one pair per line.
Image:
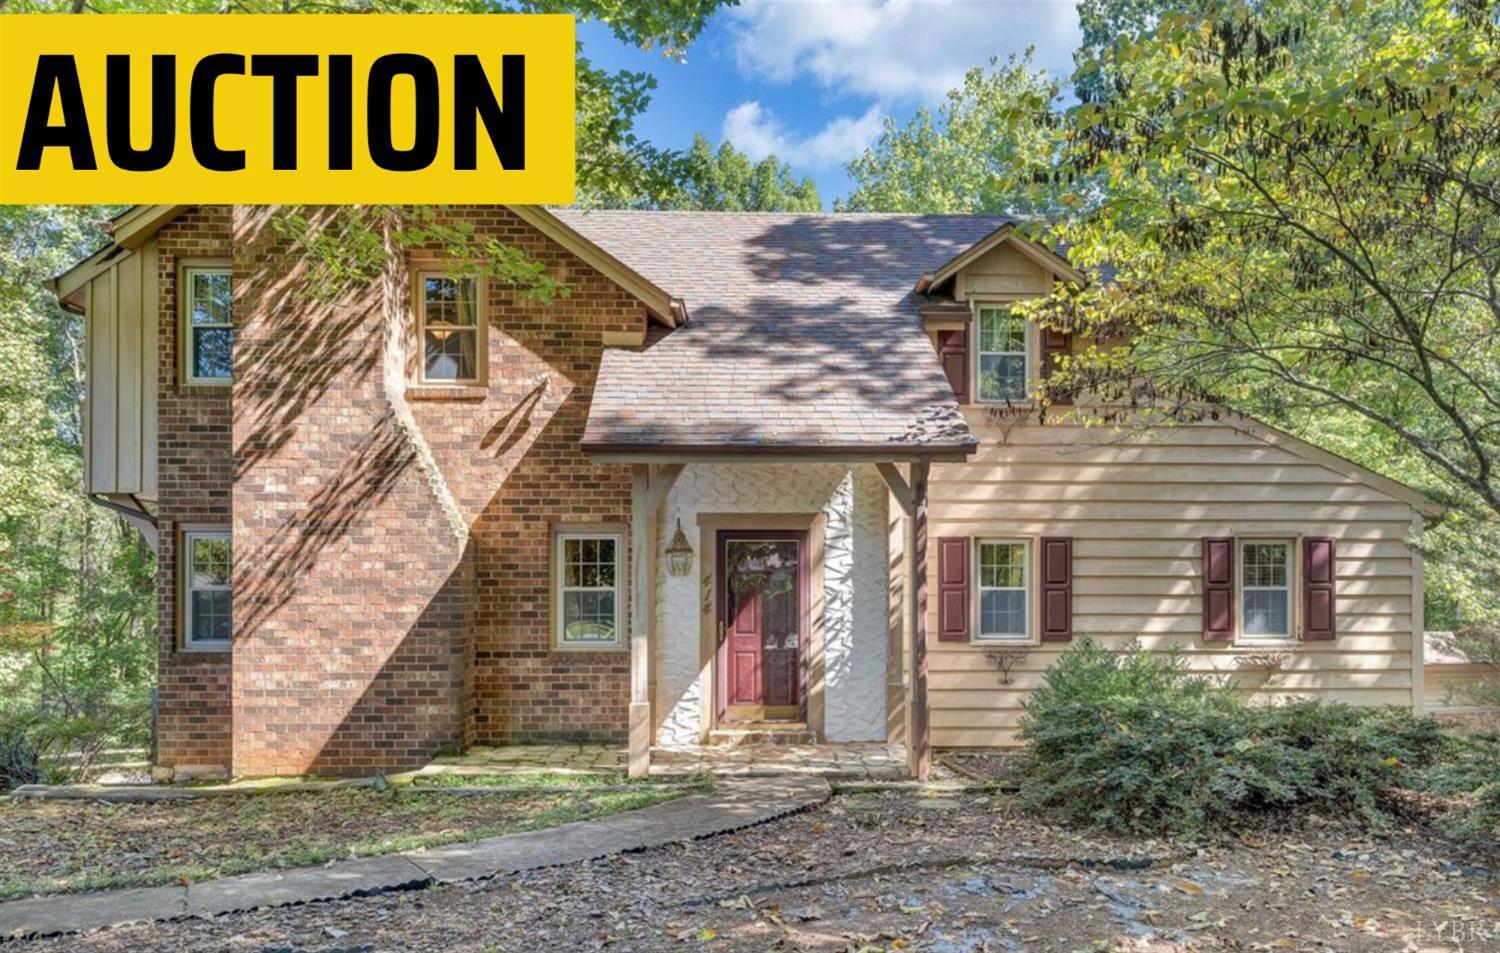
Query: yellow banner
x=265 y=108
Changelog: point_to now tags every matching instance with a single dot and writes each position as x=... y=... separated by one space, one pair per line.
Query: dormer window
x=1004 y=373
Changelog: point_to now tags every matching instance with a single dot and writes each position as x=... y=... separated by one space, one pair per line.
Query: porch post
x=919 y=750
x=646 y=497
x=639 y=759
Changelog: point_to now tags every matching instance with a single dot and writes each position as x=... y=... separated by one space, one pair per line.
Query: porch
x=856 y=761
x=778 y=623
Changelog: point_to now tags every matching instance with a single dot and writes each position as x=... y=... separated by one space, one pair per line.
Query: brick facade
x=514 y=465
x=196 y=472
x=392 y=547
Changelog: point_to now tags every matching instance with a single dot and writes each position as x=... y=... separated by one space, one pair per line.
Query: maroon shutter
x=953 y=589
x=1054 y=345
x=1057 y=588
x=953 y=351
x=1319 y=588
x=1218 y=589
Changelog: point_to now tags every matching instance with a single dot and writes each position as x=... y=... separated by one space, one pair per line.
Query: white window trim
x=559 y=565
x=185 y=640
x=1028 y=586
x=1032 y=352
x=186 y=325
x=480 y=329
x=1293 y=569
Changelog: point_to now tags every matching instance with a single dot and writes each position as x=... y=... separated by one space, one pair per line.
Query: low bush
x=1132 y=741
x=1470 y=778
x=20 y=756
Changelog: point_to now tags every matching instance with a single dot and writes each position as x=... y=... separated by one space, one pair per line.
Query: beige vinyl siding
x=120 y=346
x=1002 y=272
x=1137 y=507
x=1445 y=682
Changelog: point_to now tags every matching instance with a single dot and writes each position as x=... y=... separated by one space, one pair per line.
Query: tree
x=77 y=592
x=1300 y=205
x=1303 y=220
x=1104 y=23
x=727 y=181
x=1002 y=124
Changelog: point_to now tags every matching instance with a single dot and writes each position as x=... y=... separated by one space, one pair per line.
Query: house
x=408 y=516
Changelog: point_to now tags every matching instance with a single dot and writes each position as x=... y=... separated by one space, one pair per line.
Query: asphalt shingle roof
x=804 y=332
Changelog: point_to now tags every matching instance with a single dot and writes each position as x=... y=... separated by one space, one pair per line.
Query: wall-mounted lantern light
x=679 y=553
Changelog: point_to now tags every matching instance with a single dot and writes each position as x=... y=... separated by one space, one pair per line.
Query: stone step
x=770 y=733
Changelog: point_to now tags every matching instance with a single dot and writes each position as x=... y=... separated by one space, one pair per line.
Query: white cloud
x=758 y=133
x=896 y=50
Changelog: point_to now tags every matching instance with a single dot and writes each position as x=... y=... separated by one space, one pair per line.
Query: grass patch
x=72 y=846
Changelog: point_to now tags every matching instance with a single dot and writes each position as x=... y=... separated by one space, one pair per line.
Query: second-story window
x=449 y=315
x=1003 y=374
x=208 y=329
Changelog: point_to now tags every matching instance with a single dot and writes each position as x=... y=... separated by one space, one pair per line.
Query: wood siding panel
x=150 y=351
x=1005 y=272
x=103 y=429
x=120 y=436
x=128 y=376
x=1137 y=513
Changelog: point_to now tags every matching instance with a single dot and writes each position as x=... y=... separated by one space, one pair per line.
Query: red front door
x=762 y=625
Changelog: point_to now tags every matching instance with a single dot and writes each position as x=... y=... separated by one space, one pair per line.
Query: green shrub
x=1132 y=741
x=20 y=756
x=1471 y=776
x=1354 y=756
x=1481 y=821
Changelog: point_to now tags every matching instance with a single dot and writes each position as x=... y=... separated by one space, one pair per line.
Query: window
x=1266 y=589
x=588 y=598
x=1002 y=590
x=207 y=562
x=452 y=347
x=208 y=325
x=1003 y=374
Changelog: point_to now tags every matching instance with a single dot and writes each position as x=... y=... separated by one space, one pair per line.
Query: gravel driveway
x=896 y=871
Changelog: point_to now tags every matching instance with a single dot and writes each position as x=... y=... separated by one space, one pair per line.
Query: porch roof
x=803 y=336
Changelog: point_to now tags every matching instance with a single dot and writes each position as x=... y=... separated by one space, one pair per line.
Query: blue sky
x=813 y=80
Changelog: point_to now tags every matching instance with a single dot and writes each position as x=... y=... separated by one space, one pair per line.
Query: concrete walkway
x=732 y=805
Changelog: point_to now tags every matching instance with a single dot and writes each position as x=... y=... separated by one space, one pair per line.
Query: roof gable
x=1006 y=234
x=134 y=227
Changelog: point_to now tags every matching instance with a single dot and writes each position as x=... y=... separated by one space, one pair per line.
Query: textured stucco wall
x=853 y=501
